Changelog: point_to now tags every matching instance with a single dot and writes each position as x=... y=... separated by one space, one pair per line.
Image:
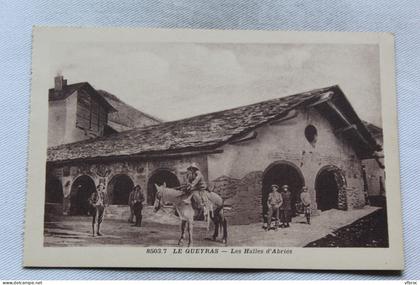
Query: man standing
x=274 y=201
x=98 y=201
x=130 y=204
x=306 y=201
x=286 y=207
x=137 y=202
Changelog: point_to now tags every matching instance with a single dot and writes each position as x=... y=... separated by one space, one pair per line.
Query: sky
x=178 y=80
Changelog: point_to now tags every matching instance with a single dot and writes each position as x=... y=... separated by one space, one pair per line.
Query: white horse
x=185 y=211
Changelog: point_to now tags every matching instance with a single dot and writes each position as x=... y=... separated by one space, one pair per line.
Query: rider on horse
x=197 y=187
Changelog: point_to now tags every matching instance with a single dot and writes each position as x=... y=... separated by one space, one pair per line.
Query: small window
x=311 y=134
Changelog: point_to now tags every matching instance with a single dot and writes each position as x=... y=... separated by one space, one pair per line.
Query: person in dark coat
x=286 y=207
x=130 y=204
x=137 y=204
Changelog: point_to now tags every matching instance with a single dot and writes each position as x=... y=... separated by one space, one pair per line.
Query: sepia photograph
x=170 y=143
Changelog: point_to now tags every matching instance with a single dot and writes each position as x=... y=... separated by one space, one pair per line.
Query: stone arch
x=81 y=190
x=330 y=183
x=282 y=172
x=119 y=188
x=53 y=190
x=159 y=176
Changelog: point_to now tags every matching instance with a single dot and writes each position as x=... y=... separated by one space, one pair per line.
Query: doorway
x=81 y=191
x=282 y=173
x=159 y=177
x=119 y=188
x=328 y=183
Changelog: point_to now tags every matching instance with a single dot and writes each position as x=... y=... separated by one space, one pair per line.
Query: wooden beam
x=290 y=115
x=247 y=137
x=344 y=118
x=380 y=164
x=318 y=103
x=345 y=129
x=324 y=99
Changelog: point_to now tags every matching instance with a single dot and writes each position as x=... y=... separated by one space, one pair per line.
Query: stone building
x=79 y=112
x=313 y=138
x=374 y=170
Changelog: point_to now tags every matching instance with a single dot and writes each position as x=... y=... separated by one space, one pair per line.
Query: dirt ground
x=76 y=231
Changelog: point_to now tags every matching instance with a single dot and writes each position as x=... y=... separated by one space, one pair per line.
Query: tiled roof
x=196 y=133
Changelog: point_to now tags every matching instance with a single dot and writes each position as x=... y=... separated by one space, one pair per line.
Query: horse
x=185 y=211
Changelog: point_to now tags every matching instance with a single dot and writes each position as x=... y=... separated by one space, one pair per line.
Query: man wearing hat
x=274 y=201
x=306 y=201
x=98 y=200
x=197 y=185
x=136 y=203
x=130 y=204
x=286 y=207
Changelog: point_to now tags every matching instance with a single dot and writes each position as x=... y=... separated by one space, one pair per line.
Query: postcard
x=213 y=149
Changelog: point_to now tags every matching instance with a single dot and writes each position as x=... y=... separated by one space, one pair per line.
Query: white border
x=36 y=255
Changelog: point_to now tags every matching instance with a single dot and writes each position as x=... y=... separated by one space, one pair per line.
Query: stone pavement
x=75 y=231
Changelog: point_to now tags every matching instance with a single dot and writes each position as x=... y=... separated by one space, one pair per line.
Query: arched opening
x=282 y=173
x=53 y=190
x=328 y=183
x=81 y=191
x=119 y=188
x=159 y=177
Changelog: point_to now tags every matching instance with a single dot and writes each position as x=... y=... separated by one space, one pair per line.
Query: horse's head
x=159 y=196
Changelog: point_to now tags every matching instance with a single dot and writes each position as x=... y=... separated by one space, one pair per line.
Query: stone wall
x=342 y=198
x=355 y=198
x=138 y=171
x=242 y=197
x=284 y=142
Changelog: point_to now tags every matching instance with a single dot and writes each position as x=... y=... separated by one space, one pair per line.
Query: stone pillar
x=342 y=198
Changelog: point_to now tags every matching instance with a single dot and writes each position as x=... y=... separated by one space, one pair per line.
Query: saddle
x=203 y=206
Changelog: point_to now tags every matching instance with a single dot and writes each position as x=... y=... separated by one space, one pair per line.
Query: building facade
x=313 y=138
x=374 y=171
x=79 y=112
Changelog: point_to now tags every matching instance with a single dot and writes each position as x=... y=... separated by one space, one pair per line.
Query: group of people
x=196 y=187
x=98 y=201
x=279 y=206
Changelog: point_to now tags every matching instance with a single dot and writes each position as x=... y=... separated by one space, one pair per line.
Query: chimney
x=59 y=83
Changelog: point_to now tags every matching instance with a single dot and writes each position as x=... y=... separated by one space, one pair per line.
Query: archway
x=81 y=190
x=53 y=191
x=159 y=177
x=282 y=173
x=328 y=183
x=119 y=188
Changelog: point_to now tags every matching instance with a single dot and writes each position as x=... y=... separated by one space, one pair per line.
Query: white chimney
x=59 y=83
